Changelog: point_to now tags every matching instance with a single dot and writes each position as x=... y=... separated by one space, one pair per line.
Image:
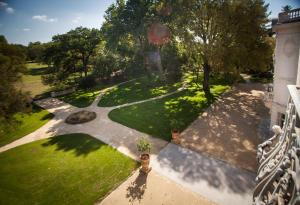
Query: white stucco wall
x=286 y=65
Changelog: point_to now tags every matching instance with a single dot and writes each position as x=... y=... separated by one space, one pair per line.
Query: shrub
x=87 y=82
x=171 y=62
x=143 y=145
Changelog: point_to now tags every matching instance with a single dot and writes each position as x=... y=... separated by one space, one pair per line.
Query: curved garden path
x=122 y=138
x=181 y=171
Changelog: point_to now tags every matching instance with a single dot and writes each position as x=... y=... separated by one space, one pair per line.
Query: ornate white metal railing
x=278 y=177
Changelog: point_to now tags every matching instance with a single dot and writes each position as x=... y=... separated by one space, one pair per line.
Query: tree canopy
x=70 y=53
x=224 y=36
x=12 y=66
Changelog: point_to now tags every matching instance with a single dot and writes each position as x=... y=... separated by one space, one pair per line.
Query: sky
x=24 y=21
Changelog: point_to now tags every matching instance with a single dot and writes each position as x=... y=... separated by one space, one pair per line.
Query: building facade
x=286 y=62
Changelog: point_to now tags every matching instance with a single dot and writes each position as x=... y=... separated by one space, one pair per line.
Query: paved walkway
x=152 y=189
x=122 y=138
x=232 y=127
x=214 y=179
x=179 y=175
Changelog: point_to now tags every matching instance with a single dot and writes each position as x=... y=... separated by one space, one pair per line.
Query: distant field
x=32 y=81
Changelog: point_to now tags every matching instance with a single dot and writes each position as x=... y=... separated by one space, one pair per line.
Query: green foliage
x=286 y=8
x=174 y=123
x=12 y=66
x=66 y=169
x=171 y=62
x=3 y=40
x=222 y=36
x=143 y=145
x=87 y=82
x=106 y=64
x=126 y=27
x=35 y=51
x=70 y=53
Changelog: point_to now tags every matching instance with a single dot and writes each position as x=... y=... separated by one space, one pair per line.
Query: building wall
x=286 y=65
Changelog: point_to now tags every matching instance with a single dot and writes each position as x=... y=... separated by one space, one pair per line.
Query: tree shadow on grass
x=38 y=71
x=80 y=144
x=137 y=188
x=48 y=116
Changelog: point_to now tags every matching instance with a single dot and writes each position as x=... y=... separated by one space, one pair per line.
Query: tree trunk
x=206 y=72
x=84 y=62
x=159 y=64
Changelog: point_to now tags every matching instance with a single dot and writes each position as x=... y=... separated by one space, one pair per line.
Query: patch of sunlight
x=159 y=90
x=218 y=89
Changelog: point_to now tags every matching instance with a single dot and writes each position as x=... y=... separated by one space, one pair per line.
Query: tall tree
x=131 y=20
x=83 y=41
x=198 y=25
x=70 y=53
x=286 y=8
x=226 y=35
x=35 y=51
x=246 y=45
x=11 y=67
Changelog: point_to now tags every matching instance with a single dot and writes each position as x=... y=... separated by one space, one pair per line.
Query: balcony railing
x=278 y=177
x=289 y=16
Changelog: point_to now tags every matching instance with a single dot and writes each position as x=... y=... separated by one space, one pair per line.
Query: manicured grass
x=32 y=81
x=80 y=98
x=23 y=125
x=140 y=89
x=83 y=98
x=67 y=169
x=155 y=117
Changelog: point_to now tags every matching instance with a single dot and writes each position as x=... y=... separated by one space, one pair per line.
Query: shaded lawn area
x=66 y=169
x=32 y=81
x=137 y=90
x=24 y=124
x=155 y=117
x=81 y=98
x=84 y=97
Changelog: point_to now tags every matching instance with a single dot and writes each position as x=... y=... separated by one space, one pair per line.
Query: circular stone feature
x=81 y=117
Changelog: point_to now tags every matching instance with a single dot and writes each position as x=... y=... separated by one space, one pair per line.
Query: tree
x=225 y=35
x=248 y=46
x=3 y=39
x=12 y=66
x=131 y=20
x=70 y=53
x=286 y=8
x=83 y=41
x=200 y=31
x=35 y=51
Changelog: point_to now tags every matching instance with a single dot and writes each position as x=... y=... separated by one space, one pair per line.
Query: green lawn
x=80 y=98
x=140 y=89
x=67 y=169
x=31 y=80
x=25 y=124
x=83 y=98
x=155 y=117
